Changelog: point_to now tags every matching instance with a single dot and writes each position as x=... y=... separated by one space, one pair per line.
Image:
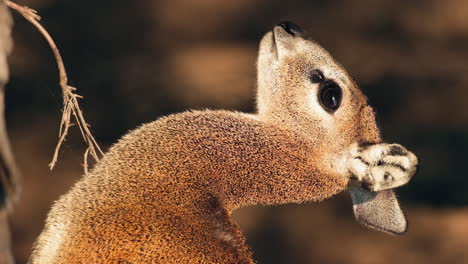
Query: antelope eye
x=329 y=96
x=316 y=76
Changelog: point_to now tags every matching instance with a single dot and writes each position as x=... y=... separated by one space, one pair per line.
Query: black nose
x=292 y=28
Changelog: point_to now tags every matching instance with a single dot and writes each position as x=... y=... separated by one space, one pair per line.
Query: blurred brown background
x=134 y=61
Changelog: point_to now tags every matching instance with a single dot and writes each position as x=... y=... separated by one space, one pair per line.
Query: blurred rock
x=207 y=19
x=324 y=233
x=213 y=75
x=136 y=60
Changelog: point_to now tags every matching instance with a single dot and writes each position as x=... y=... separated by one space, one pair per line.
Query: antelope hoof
x=383 y=166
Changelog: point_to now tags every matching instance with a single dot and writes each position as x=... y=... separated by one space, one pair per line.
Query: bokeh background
x=134 y=61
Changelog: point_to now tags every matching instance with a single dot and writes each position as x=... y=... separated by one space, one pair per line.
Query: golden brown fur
x=165 y=192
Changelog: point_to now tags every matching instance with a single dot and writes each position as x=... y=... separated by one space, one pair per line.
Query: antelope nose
x=291 y=28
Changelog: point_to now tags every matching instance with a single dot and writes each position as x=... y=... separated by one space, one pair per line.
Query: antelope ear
x=378 y=210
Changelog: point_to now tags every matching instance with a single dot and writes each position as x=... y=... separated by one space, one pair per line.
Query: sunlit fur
x=165 y=192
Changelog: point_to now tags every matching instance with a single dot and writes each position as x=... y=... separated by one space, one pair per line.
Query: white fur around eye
x=333 y=74
x=315 y=108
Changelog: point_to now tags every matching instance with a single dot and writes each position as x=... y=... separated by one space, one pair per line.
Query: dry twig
x=70 y=98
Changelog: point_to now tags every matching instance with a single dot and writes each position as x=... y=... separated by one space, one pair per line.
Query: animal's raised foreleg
x=376 y=169
x=382 y=166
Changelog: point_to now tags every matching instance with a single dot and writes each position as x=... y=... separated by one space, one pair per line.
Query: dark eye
x=330 y=96
x=316 y=76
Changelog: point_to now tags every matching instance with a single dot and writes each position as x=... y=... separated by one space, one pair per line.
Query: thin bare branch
x=70 y=98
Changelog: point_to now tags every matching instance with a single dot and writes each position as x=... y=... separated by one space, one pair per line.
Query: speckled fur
x=165 y=192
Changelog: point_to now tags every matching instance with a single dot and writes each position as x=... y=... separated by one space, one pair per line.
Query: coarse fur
x=166 y=191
